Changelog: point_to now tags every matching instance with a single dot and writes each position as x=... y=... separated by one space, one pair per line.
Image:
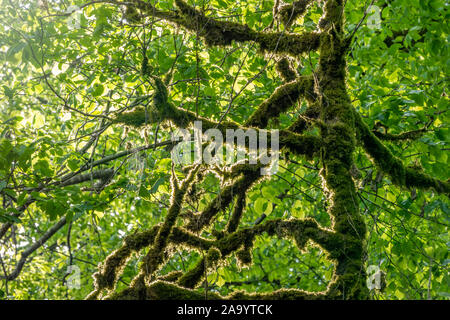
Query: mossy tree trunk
x=338 y=136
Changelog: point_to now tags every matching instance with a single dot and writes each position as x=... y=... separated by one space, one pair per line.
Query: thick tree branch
x=300 y=230
x=393 y=166
x=288 y=13
x=222 y=33
x=155 y=256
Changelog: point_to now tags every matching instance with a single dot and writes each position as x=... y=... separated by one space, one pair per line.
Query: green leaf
x=259 y=205
x=98 y=90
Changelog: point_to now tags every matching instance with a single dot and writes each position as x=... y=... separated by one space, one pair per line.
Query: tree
x=86 y=174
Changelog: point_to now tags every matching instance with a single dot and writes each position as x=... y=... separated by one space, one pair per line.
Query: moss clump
x=285 y=70
x=333 y=15
x=161 y=109
x=306 y=145
x=288 y=13
x=139 y=117
x=244 y=255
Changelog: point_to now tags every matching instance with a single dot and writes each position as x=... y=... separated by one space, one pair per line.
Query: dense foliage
x=81 y=176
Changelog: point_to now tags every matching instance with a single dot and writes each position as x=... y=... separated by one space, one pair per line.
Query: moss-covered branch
x=281 y=100
x=156 y=253
x=329 y=107
x=240 y=186
x=288 y=13
x=286 y=70
x=191 y=278
x=337 y=130
x=163 y=110
x=109 y=271
x=400 y=174
x=221 y=33
x=168 y=291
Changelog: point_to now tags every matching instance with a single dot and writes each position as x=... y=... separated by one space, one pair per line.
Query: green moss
x=393 y=166
x=330 y=108
x=285 y=70
x=237 y=213
x=136 y=291
x=245 y=256
x=280 y=101
x=281 y=294
x=220 y=248
x=409 y=135
x=215 y=33
x=155 y=255
x=385 y=135
x=142 y=239
x=138 y=117
x=192 y=277
x=288 y=13
x=337 y=130
x=333 y=16
x=306 y=145
x=289 y=43
x=169 y=291
x=108 y=273
x=185 y=237
x=171 y=276
x=146 y=69
x=223 y=200
x=158 y=111
x=223 y=33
